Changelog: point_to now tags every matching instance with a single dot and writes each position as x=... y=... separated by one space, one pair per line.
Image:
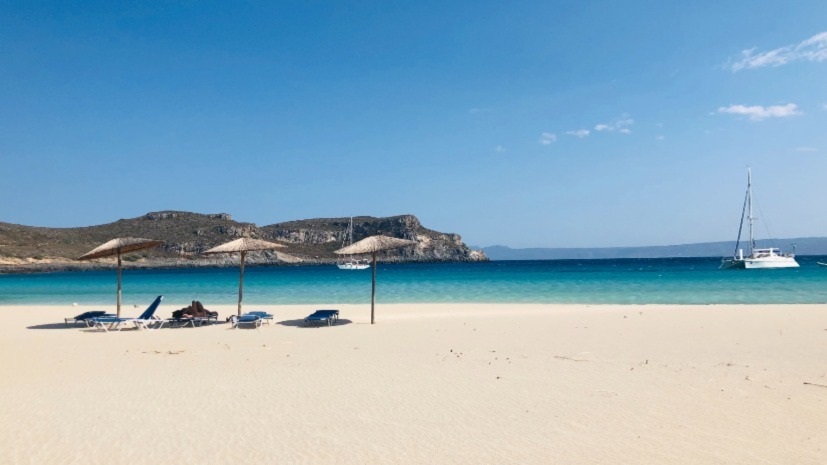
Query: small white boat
x=352 y=263
x=757 y=258
x=821 y=264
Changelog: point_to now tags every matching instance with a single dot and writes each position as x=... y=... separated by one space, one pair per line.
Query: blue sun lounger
x=263 y=315
x=247 y=319
x=252 y=318
x=323 y=316
x=143 y=321
x=86 y=317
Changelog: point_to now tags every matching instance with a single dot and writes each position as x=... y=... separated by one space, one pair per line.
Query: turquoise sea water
x=621 y=281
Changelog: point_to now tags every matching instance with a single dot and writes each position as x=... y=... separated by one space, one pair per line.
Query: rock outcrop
x=331 y=233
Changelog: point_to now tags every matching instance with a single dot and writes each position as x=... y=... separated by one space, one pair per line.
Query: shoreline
x=438 y=383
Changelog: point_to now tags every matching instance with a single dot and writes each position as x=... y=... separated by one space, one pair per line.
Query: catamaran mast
x=750 y=217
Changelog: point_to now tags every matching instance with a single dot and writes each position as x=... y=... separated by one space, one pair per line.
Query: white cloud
x=806 y=149
x=499 y=149
x=758 y=112
x=620 y=125
x=660 y=137
x=581 y=133
x=812 y=49
x=548 y=138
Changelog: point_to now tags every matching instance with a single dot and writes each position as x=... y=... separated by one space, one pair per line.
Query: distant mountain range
x=803 y=246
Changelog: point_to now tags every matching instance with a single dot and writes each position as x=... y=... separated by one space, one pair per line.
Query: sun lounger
x=86 y=317
x=323 y=316
x=144 y=321
x=251 y=318
x=194 y=315
x=191 y=321
x=265 y=317
x=248 y=319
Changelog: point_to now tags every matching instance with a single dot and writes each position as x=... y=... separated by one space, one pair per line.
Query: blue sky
x=528 y=124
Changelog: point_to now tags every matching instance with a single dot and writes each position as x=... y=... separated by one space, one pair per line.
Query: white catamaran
x=351 y=263
x=757 y=258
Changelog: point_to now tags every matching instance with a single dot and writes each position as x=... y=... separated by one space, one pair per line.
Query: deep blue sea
x=620 y=281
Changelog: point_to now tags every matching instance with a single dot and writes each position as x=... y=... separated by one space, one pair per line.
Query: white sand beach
x=428 y=384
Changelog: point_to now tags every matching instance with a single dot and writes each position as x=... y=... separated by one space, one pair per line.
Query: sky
x=526 y=124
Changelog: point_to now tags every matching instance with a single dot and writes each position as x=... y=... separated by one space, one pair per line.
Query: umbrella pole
x=241 y=283
x=373 y=289
x=119 y=283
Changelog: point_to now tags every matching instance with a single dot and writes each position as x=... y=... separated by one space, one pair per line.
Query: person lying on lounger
x=194 y=310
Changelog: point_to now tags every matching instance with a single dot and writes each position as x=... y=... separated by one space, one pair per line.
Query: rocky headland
x=186 y=235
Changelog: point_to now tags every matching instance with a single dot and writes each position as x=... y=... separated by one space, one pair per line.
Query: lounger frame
x=144 y=321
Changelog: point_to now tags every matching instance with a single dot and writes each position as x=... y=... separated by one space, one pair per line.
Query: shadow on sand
x=57 y=326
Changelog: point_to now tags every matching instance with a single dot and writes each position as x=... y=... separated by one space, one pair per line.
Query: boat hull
x=759 y=263
x=353 y=266
x=776 y=262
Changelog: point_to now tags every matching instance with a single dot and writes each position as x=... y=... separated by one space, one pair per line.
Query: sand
x=428 y=384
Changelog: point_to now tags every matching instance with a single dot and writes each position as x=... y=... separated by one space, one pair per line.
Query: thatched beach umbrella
x=372 y=245
x=118 y=247
x=243 y=245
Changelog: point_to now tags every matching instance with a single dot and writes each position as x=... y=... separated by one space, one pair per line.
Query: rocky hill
x=186 y=235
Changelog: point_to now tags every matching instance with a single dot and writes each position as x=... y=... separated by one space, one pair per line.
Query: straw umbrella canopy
x=242 y=246
x=372 y=245
x=118 y=247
